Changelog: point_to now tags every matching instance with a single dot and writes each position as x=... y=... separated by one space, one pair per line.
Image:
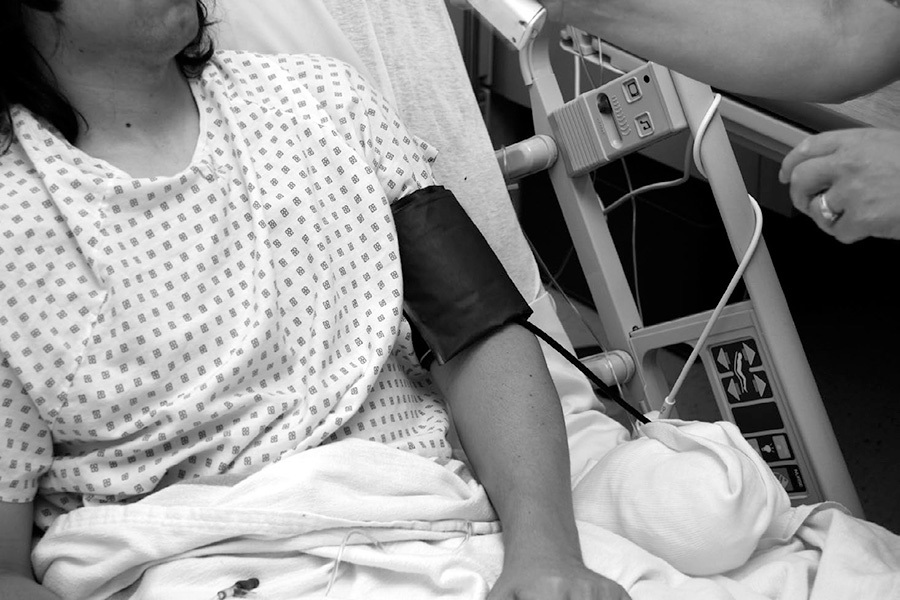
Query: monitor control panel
x=617 y=118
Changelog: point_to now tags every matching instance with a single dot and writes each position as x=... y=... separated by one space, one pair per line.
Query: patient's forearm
x=15 y=586
x=509 y=420
x=817 y=50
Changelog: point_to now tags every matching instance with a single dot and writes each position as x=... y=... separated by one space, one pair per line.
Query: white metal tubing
x=614 y=368
x=527 y=157
x=585 y=221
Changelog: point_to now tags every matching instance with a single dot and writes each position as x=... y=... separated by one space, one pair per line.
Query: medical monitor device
x=620 y=117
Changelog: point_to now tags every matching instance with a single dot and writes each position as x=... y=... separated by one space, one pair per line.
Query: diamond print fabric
x=159 y=329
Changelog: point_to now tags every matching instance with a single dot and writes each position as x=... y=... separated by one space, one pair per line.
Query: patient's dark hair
x=24 y=80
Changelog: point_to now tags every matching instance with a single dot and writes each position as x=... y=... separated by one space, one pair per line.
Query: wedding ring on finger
x=825 y=209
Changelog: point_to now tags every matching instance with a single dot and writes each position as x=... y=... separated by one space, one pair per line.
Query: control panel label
x=772 y=448
x=790 y=478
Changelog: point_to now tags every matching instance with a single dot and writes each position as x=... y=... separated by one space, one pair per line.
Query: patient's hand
x=547 y=577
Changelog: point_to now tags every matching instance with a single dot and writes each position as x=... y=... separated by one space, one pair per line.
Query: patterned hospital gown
x=160 y=329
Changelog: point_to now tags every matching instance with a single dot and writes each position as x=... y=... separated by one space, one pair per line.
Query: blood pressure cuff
x=456 y=291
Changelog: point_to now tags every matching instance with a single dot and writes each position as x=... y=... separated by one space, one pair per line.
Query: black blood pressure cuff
x=456 y=291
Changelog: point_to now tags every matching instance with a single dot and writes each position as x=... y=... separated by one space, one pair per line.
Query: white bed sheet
x=286 y=526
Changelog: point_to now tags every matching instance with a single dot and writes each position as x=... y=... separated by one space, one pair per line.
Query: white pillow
x=695 y=494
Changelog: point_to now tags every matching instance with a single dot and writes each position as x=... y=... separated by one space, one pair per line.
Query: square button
x=782 y=447
x=632 y=90
x=644 y=125
x=790 y=478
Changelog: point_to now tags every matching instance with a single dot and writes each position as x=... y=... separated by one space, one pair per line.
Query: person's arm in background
x=510 y=423
x=812 y=50
x=16 y=577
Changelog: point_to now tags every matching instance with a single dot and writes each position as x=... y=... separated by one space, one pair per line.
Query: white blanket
x=288 y=525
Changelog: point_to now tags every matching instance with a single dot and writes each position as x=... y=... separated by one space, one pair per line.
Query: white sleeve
x=401 y=161
x=26 y=451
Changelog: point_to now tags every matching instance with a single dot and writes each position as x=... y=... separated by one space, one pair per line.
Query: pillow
x=694 y=494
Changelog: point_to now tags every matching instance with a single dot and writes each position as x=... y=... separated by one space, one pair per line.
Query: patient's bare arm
x=16 y=578
x=510 y=423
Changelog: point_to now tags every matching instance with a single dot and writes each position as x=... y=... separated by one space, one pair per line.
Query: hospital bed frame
x=764 y=319
x=753 y=357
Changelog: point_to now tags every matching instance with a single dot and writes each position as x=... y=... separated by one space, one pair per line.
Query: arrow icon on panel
x=723 y=359
x=733 y=390
x=760 y=385
x=750 y=353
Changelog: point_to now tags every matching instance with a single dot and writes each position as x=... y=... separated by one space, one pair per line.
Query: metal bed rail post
x=586 y=222
x=771 y=309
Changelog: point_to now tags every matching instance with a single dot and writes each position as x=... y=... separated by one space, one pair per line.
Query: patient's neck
x=144 y=128
x=136 y=108
x=143 y=121
x=136 y=112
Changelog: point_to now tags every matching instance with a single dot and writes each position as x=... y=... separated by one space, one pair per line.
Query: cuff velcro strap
x=456 y=291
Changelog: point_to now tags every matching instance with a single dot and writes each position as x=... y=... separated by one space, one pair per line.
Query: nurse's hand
x=848 y=182
x=548 y=577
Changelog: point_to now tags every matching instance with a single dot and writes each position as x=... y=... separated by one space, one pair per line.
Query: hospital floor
x=841 y=298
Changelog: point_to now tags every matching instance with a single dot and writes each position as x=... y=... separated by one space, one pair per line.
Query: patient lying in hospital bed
x=359 y=518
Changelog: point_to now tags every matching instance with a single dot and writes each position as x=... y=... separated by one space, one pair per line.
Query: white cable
x=470 y=531
x=579 y=59
x=576 y=63
x=554 y=283
x=685 y=175
x=701 y=131
x=669 y=401
x=613 y=371
x=600 y=56
x=634 y=259
x=340 y=554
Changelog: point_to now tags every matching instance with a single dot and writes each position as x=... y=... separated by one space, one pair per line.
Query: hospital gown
x=160 y=329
